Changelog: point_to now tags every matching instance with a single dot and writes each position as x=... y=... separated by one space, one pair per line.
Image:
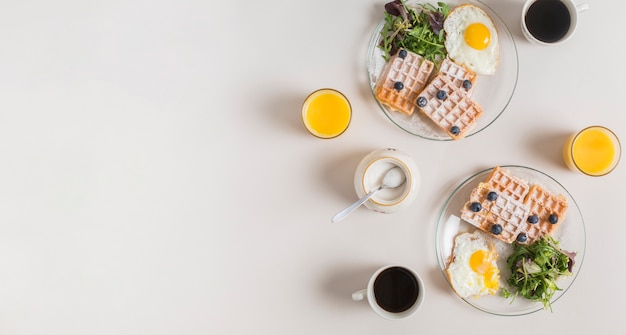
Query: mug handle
x=359 y=295
x=582 y=7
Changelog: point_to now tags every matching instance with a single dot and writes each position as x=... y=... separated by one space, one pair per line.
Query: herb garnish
x=535 y=269
x=418 y=29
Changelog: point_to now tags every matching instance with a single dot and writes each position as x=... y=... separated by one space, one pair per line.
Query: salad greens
x=418 y=29
x=535 y=269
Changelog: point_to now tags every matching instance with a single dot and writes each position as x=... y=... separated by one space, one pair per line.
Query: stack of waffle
x=446 y=100
x=402 y=80
x=512 y=210
x=409 y=81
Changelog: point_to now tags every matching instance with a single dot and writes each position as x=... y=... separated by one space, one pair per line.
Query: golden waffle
x=543 y=204
x=455 y=113
x=503 y=181
x=477 y=218
x=457 y=74
x=516 y=203
x=412 y=71
x=505 y=211
x=511 y=215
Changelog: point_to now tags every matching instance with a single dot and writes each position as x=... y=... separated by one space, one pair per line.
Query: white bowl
x=369 y=175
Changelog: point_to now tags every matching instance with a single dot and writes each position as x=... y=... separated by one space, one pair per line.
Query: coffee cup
x=394 y=292
x=549 y=22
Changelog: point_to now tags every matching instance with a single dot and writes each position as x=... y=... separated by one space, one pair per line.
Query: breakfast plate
x=492 y=92
x=570 y=234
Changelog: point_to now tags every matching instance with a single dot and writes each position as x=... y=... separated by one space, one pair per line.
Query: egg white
x=464 y=280
x=480 y=61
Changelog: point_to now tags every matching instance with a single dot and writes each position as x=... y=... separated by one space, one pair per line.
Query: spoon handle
x=339 y=216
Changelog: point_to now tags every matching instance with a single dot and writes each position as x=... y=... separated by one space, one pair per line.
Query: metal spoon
x=393 y=178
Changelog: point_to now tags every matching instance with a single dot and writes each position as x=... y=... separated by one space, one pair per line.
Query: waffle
x=456 y=113
x=478 y=218
x=543 y=203
x=509 y=213
x=516 y=202
x=413 y=71
x=457 y=74
x=504 y=182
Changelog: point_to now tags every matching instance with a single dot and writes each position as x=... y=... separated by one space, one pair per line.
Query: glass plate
x=571 y=235
x=493 y=93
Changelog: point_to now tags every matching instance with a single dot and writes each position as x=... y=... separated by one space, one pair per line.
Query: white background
x=155 y=177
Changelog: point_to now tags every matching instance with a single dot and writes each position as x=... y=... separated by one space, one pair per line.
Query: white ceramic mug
x=408 y=304
x=369 y=174
x=545 y=13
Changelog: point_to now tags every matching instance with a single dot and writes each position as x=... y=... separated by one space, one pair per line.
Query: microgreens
x=418 y=29
x=535 y=269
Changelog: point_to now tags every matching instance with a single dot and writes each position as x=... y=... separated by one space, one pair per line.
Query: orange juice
x=594 y=151
x=326 y=113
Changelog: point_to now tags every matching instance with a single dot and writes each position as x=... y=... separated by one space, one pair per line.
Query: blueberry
x=467 y=84
x=398 y=85
x=402 y=54
x=533 y=219
x=496 y=229
x=553 y=218
x=421 y=101
x=521 y=238
x=442 y=95
x=492 y=196
x=476 y=207
x=455 y=130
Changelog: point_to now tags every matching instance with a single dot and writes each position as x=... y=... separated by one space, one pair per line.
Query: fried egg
x=472 y=39
x=473 y=270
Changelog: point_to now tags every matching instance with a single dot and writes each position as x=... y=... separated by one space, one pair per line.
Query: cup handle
x=582 y=7
x=359 y=295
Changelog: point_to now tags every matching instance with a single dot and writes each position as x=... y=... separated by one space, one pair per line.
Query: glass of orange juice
x=326 y=113
x=594 y=151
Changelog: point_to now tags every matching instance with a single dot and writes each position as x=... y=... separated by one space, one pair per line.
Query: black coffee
x=548 y=20
x=396 y=289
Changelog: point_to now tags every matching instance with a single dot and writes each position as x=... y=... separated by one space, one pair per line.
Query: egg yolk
x=477 y=36
x=480 y=262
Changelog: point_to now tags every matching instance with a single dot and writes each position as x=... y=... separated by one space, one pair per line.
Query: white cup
x=545 y=22
x=400 y=290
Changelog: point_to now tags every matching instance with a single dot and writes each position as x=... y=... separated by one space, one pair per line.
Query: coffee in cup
x=550 y=22
x=393 y=292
